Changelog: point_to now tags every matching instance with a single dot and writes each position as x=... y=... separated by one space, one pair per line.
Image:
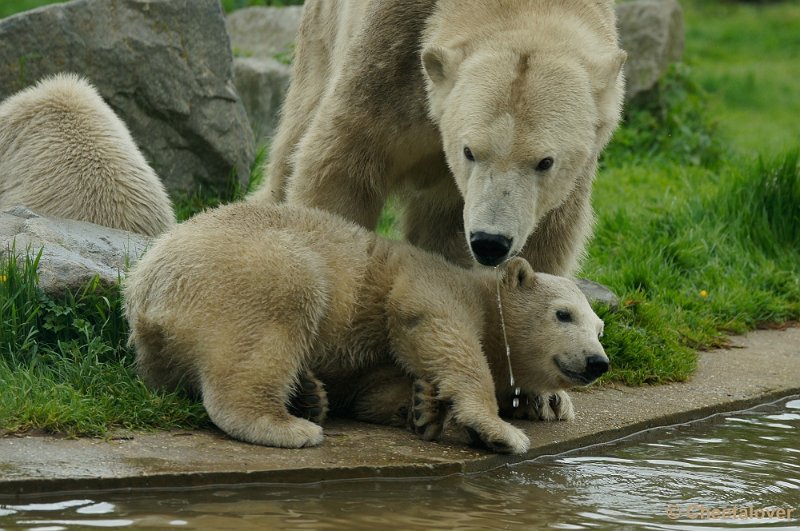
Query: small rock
x=262 y=85
x=651 y=31
x=73 y=252
x=598 y=293
x=264 y=32
x=263 y=39
x=164 y=66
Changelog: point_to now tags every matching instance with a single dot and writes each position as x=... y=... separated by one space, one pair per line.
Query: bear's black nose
x=489 y=249
x=596 y=366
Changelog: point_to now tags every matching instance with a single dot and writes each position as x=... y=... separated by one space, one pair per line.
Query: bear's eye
x=564 y=316
x=545 y=164
x=468 y=154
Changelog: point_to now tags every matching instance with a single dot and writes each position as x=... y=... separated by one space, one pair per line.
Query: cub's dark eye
x=468 y=154
x=564 y=316
x=545 y=164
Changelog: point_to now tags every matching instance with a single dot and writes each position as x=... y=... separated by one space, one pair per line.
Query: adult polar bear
x=516 y=98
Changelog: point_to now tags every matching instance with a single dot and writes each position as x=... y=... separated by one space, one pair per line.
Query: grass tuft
x=700 y=269
x=765 y=206
x=64 y=364
x=669 y=124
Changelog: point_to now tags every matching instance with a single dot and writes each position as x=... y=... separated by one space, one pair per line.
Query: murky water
x=736 y=471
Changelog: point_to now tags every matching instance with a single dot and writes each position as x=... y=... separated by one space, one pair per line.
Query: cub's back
x=243 y=254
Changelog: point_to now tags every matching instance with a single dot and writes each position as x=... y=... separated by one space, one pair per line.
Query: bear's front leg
x=341 y=167
x=433 y=220
x=435 y=338
x=543 y=406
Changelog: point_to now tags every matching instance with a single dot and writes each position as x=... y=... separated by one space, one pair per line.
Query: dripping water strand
x=516 y=390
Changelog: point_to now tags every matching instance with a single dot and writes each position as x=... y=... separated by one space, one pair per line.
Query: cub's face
x=518 y=131
x=553 y=332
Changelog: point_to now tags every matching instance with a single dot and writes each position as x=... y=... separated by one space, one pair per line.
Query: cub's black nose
x=489 y=249
x=596 y=366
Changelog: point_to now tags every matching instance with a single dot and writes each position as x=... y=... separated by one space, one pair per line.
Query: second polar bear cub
x=247 y=304
x=63 y=152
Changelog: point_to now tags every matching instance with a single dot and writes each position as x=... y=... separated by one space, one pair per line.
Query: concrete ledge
x=760 y=367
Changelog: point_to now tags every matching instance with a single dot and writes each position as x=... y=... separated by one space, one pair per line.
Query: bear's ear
x=519 y=273
x=606 y=71
x=441 y=63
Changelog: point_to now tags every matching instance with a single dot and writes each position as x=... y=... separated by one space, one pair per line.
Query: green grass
x=11 y=7
x=64 y=364
x=748 y=57
x=698 y=232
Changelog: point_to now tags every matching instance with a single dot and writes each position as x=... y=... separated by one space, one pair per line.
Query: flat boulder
x=73 y=252
x=164 y=66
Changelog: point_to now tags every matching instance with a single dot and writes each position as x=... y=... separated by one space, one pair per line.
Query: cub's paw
x=292 y=433
x=551 y=406
x=428 y=413
x=500 y=437
x=309 y=400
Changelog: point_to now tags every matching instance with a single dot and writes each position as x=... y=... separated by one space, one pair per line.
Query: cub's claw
x=545 y=406
x=428 y=413
x=553 y=406
x=309 y=401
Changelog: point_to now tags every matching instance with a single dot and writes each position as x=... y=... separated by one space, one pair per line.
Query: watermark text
x=697 y=511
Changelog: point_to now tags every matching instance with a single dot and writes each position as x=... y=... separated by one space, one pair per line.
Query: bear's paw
x=500 y=437
x=428 y=413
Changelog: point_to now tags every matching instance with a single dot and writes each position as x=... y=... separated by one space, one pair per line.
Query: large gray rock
x=651 y=31
x=164 y=66
x=73 y=252
x=262 y=85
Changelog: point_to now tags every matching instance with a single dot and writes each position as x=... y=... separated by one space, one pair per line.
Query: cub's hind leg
x=246 y=393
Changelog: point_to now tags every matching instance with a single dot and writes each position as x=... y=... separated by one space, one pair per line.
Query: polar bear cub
x=247 y=303
x=64 y=153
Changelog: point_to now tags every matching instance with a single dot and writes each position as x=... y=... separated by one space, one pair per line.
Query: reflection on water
x=739 y=471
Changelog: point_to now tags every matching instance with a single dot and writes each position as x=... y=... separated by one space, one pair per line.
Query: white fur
x=64 y=153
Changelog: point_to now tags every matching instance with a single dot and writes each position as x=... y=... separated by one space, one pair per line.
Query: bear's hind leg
x=246 y=395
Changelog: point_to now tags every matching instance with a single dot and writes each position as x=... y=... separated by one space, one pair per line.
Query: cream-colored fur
x=386 y=96
x=63 y=152
x=241 y=302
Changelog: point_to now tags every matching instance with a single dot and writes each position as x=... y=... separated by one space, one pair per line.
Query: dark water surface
x=739 y=471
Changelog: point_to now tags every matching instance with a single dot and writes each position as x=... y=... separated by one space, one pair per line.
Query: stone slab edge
x=761 y=367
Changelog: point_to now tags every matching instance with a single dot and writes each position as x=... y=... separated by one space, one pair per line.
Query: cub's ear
x=441 y=64
x=519 y=273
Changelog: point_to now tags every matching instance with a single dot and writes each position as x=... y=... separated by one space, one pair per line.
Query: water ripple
x=663 y=480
